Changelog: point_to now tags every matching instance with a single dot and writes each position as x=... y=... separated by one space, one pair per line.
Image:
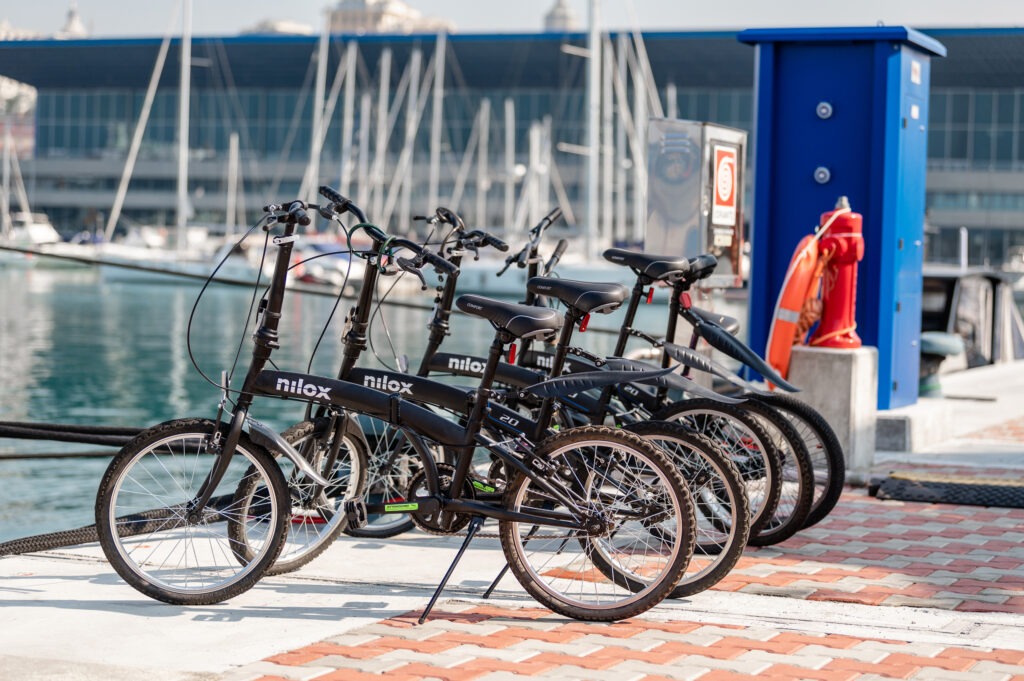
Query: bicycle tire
x=741 y=439
x=316 y=518
x=594 y=463
x=722 y=510
x=141 y=524
x=797 y=478
x=824 y=447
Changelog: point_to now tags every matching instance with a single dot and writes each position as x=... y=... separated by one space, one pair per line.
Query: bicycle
x=593 y=498
x=728 y=427
x=712 y=479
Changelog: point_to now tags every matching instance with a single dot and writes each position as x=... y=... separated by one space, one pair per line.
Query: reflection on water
x=76 y=350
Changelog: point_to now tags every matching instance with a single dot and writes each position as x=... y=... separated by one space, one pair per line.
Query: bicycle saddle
x=522 y=321
x=657 y=267
x=701 y=267
x=583 y=296
x=728 y=324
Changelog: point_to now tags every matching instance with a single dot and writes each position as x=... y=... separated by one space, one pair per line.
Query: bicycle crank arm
x=424 y=505
x=278 y=443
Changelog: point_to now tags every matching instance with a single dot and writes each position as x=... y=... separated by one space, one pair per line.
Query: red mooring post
x=842 y=247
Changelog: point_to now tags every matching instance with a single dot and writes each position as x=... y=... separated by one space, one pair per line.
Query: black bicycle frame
x=413 y=420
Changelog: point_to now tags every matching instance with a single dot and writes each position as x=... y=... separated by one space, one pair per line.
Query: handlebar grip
x=560 y=249
x=495 y=242
x=556 y=256
x=439 y=263
x=332 y=195
x=555 y=213
x=297 y=213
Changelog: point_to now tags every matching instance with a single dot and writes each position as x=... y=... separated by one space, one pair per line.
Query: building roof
x=976 y=58
x=490 y=61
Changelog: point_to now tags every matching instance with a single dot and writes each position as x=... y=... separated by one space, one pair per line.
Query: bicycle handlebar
x=547 y=220
x=478 y=236
x=341 y=204
x=451 y=217
x=522 y=258
x=556 y=256
x=424 y=256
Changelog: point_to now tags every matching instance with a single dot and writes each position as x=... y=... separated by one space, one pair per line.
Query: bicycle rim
x=141 y=514
x=623 y=569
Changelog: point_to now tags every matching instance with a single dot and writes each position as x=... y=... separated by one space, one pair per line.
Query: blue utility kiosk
x=844 y=112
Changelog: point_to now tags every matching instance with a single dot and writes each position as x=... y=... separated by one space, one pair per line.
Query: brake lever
x=410 y=266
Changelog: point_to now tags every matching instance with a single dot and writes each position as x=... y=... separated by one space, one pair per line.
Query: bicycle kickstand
x=504 y=569
x=474 y=527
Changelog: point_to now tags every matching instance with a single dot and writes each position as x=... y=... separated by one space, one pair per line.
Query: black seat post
x=642 y=282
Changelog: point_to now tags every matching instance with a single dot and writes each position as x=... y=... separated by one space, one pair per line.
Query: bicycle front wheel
x=144 y=524
x=797 y=477
x=638 y=532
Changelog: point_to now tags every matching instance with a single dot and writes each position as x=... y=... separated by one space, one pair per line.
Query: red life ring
x=797 y=287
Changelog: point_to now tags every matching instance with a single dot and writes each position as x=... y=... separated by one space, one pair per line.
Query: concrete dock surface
x=879 y=589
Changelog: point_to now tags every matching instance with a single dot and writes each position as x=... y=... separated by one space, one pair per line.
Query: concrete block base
x=843 y=386
x=914 y=427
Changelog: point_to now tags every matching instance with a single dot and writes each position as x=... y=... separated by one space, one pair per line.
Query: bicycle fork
x=227 y=451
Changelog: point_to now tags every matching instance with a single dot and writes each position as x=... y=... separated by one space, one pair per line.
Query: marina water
x=77 y=349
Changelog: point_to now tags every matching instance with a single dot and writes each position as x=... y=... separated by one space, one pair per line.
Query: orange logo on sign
x=724 y=210
x=725 y=175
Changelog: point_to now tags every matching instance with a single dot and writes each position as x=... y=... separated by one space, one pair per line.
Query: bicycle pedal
x=355 y=513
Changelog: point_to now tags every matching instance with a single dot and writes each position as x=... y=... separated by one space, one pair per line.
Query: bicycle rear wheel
x=722 y=511
x=142 y=508
x=743 y=441
x=392 y=463
x=639 y=535
x=823 y=446
x=316 y=512
x=797 y=477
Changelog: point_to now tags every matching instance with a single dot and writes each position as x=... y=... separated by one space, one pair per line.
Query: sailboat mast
x=593 y=126
x=230 y=214
x=183 y=122
x=5 y=189
x=320 y=89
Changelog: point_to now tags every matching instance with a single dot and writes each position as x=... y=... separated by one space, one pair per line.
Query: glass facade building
x=91 y=93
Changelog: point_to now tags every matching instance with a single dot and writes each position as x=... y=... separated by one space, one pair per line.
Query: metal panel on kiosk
x=844 y=112
x=695 y=174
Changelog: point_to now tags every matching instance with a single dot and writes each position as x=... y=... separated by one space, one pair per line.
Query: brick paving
x=868 y=552
x=874 y=552
x=492 y=644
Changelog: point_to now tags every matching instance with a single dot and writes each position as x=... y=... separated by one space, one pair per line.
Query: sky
x=228 y=17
